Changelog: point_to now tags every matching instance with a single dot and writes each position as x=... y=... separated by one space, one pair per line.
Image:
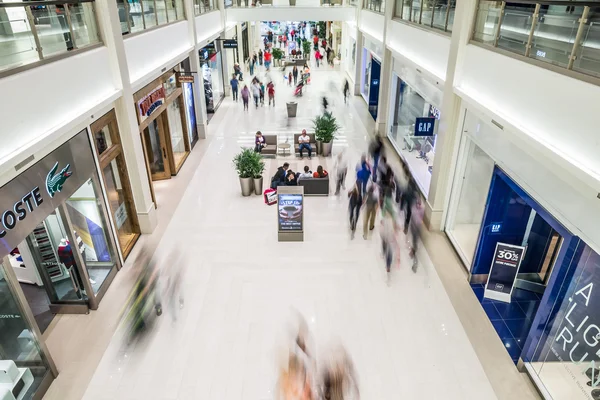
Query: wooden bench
x=313 y=144
x=271 y=149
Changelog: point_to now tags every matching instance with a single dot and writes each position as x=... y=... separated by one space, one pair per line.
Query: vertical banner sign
x=503 y=272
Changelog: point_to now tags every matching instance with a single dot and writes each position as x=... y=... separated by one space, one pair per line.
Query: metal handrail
x=44 y=3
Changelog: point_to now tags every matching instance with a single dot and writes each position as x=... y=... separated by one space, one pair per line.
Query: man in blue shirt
x=234 y=87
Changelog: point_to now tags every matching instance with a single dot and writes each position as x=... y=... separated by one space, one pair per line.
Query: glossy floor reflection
x=242 y=288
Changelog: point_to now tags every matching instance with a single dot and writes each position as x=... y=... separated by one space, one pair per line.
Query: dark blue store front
x=513 y=217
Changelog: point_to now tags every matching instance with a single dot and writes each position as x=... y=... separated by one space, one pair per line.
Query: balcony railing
x=288 y=3
x=567 y=36
x=377 y=6
x=138 y=15
x=436 y=14
x=204 y=6
x=42 y=30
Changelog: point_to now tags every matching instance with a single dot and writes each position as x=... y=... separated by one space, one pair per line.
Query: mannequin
x=65 y=255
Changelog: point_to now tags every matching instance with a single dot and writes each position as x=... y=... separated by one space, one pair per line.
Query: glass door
x=155 y=147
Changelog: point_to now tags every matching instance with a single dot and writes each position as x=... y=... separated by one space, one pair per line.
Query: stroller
x=299 y=87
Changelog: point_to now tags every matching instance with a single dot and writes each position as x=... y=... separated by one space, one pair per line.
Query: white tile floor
x=241 y=287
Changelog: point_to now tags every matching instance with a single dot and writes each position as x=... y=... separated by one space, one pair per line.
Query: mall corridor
x=242 y=287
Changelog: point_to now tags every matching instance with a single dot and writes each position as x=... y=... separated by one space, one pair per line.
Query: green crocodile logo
x=54 y=181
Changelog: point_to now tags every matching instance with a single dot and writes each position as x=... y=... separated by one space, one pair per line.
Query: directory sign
x=290 y=209
x=503 y=272
x=424 y=126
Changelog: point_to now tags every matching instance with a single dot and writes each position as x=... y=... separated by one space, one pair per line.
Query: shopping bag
x=270 y=196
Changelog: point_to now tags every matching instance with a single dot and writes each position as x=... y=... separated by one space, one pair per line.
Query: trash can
x=291 y=109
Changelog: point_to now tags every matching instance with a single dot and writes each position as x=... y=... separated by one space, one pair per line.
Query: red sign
x=149 y=103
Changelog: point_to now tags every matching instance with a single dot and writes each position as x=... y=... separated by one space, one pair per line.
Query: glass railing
x=287 y=3
x=434 y=14
x=567 y=36
x=44 y=29
x=375 y=5
x=138 y=15
x=204 y=6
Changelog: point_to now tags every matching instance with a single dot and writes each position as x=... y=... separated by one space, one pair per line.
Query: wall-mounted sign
x=39 y=190
x=496 y=227
x=150 y=102
x=185 y=78
x=503 y=272
x=230 y=44
x=424 y=126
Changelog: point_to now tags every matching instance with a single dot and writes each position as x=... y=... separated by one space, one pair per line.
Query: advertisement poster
x=503 y=272
x=188 y=96
x=290 y=212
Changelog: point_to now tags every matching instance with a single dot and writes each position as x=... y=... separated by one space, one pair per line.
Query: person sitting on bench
x=304 y=141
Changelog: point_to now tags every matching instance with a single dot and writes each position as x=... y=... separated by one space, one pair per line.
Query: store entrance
x=513 y=218
x=67 y=262
x=155 y=144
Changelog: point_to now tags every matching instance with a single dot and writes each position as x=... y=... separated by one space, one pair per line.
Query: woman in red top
x=320 y=172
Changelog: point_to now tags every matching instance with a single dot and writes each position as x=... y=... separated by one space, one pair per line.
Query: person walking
x=407 y=202
x=245 y=97
x=295 y=74
x=290 y=79
x=251 y=63
x=376 y=150
x=260 y=56
x=371 y=203
x=363 y=173
x=415 y=229
x=346 y=90
x=262 y=94
x=256 y=93
x=356 y=200
x=341 y=168
x=234 y=87
x=271 y=93
x=317 y=57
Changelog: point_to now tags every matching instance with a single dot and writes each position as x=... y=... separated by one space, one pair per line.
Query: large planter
x=258 y=184
x=326 y=149
x=319 y=147
x=247 y=186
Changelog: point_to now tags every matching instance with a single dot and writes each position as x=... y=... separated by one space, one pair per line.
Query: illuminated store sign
x=151 y=102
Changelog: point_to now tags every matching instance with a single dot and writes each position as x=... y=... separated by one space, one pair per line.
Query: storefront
x=371 y=72
x=245 y=42
x=413 y=119
x=211 y=64
x=186 y=79
x=528 y=266
x=163 y=125
x=55 y=231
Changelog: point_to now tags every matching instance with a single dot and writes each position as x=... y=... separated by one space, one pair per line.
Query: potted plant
x=325 y=127
x=306 y=49
x=258 y=168
x=244 y=165
x=277 y=55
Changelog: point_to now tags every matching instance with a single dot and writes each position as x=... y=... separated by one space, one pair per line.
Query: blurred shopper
x=388 y=243
x=346 y=90
x=234 y=87
x=256 y=93
x=174 y=292
x=341 y=169
x=371 y=204
x=416 y=223
x=238 y=71
x=271 y=92
x=245 y=97
x=290 y=79
x=408 y=200
x=338 y=380
x=375 y=151
x=363 y=174
x=260 y=56
x=355 y=203
x=318 y=57
x=261 y=93
x=294 y=381
x=295 y=74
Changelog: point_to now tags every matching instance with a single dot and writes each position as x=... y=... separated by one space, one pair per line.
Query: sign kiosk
x=503 y=272
x=290 y=213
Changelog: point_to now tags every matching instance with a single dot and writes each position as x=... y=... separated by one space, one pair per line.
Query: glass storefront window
x=417 y=150
x=472 y=192
x=117 y=200
x=149 y=13
x=176 y=131
x=212 y=77
x=103 y=139
x=170 y=85
x=90 y=230
x=19 y=350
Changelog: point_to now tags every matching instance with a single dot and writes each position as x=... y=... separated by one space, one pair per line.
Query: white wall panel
x=559 y=112
x=372 y=24
x=208 y=26
x=148 y=52
x=428 y=50
x=46 y=101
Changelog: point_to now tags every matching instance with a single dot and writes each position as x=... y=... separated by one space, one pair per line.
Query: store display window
x=116 y=180
x=21 y=355
x=414 y=130
x=212 y=76
x=473 y=183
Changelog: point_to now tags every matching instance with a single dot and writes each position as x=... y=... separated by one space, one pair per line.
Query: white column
x=385 y=78
x=240 y=52
x=449 y=125
x=126 y=116
x=225 y=64
x=358 y=70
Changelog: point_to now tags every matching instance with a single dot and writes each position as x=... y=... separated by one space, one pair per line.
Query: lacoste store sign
x=33 y=195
